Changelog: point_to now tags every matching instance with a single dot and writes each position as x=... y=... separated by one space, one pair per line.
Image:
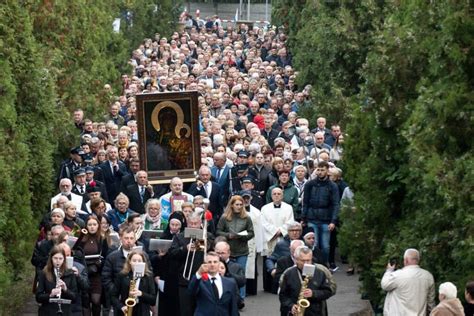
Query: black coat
x=41 y=254
x=178 y=252
x=121 y=293
x=114 y=263
x=113 y=180
x=136 y=203
x=215 y=205
x=44 y=290
x=290 y=286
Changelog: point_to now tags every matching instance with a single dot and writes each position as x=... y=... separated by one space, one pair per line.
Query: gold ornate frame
x=171 y=147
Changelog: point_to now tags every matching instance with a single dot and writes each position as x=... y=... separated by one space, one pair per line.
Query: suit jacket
x=136 y=203
x=215 y=205
x=208 y=304
x=223 y=182
x=113 y=180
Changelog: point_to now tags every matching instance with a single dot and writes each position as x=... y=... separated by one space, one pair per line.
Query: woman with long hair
x=56 y=281
x=93 y=244
x=144 y=290
x=237 y=227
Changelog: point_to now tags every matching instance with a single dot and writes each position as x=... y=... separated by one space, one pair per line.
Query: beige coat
x=448 y=307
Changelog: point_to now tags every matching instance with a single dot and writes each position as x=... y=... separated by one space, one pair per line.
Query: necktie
x=206 y=188
x=81 y=189
x=142 y=192
x=214 y=288
x=218 y=175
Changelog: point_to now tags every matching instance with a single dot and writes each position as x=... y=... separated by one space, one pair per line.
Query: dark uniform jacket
x=290 y=286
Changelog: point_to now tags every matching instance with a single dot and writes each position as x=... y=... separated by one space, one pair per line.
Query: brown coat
x=448 y=307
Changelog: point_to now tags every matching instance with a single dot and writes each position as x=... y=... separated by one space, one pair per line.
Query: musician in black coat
x=49 y=286
x=143 y=292
x=316 y=292
x=179 y=252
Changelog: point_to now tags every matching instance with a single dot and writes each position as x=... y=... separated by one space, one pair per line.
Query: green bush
x=399 y=76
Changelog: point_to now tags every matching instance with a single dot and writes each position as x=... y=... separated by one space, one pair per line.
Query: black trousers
x=187 y=303
x=267 y=278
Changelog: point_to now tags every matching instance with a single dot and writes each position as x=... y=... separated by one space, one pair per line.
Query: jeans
x=242 y=261
x=322 y=236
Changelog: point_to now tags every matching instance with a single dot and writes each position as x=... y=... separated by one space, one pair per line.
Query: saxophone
x=131 y=301
x=303 y=303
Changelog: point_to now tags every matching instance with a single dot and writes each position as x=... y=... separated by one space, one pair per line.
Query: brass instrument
x=303 y=303
x=199 y=245
x=131 y=300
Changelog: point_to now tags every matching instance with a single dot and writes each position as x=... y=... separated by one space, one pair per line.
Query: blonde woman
x=237 y=227
x=144 y=291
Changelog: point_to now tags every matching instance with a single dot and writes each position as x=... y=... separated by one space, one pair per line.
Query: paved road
x=346 y=301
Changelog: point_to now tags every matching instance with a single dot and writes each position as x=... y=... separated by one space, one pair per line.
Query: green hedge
x=55 y=56
x=399 y=76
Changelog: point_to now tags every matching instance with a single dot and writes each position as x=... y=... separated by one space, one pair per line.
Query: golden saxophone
x=303 y=303
x=131 y=301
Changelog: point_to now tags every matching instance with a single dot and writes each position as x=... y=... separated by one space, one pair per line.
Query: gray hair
x=412 y=254
x=294 y=224
x=302 y=250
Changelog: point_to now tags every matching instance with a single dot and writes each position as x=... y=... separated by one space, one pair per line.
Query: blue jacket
x=321 y=201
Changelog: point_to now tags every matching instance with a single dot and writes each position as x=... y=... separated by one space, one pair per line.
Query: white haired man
x=411 y=290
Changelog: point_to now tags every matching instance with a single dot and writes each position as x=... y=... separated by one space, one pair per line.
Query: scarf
x=155 y=221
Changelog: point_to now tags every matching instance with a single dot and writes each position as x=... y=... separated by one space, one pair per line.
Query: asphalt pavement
x=346 y=302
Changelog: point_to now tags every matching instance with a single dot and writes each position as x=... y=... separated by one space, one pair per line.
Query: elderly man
x=235 y=270
x=275 y=218
x=282 y=249
x=319 y=145
x=172 y=201
x=113 y=170
x=209 y=189
x=317 y=290
x=139 y=192
x=65 y=188
x=411 y=290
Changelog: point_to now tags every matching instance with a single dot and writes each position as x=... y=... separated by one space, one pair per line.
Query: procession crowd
x=268 y=188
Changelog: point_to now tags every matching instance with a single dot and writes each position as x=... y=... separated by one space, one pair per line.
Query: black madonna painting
x=168 y=127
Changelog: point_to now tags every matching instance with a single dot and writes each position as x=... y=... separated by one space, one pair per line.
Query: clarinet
x=57 y=272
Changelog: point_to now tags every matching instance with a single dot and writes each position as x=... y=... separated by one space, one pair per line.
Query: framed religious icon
x=168 y=135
